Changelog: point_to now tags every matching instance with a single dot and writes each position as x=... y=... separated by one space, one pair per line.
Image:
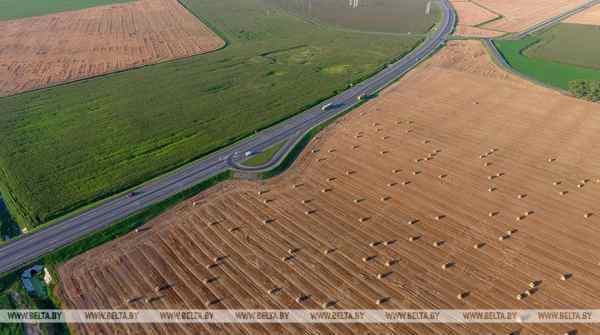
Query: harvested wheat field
x=41 y=51
x=521 y=14
x=589 y=16
x=470 y=16
x=460 y=187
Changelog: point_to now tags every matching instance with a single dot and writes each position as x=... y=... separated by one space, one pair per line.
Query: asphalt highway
x=34 y=245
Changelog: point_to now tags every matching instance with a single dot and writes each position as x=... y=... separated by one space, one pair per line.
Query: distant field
x=47 y=50
x=549 y=72
x=589 y=16
x=67 y=146
x=15 y=9
x=518 y=15
x=382 y=15
x=569 y=43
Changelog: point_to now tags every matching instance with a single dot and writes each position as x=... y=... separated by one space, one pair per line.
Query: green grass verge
x=568 y=43
x=548 y=72
x=16 y=9
x=71 y=145
x=263 y=157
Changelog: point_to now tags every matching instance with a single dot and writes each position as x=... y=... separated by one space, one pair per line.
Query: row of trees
x=585 y=89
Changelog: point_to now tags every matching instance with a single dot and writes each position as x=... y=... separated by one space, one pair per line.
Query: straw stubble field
x=492 y=18
x=471 y=16
x=590 y=16
x=46 y=50
x=522 y=14
x=460 y=187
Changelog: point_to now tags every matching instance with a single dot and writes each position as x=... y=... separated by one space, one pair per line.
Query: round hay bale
x=301 y=298
x=566 y=276
x=447 y=265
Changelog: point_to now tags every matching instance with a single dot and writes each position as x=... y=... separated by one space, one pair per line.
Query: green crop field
x=382 y=15
x=575 y=44
x=70 y=145
x=16 y=9
x=549 y=72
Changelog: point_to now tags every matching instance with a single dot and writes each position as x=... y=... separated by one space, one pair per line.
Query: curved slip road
x=32 y=246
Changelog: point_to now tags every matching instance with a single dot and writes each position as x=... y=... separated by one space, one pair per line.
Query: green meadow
x=555 y=57
x=568 y=43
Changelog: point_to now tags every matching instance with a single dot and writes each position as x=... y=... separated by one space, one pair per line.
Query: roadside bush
x=585 y=89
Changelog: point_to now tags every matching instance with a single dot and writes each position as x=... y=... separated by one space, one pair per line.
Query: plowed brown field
x=457 y=163
x=41 y=51
x=590 y=16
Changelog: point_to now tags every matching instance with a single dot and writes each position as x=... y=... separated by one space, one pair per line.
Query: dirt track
x=590 y=16
x=42 y=51
x=458 y=148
